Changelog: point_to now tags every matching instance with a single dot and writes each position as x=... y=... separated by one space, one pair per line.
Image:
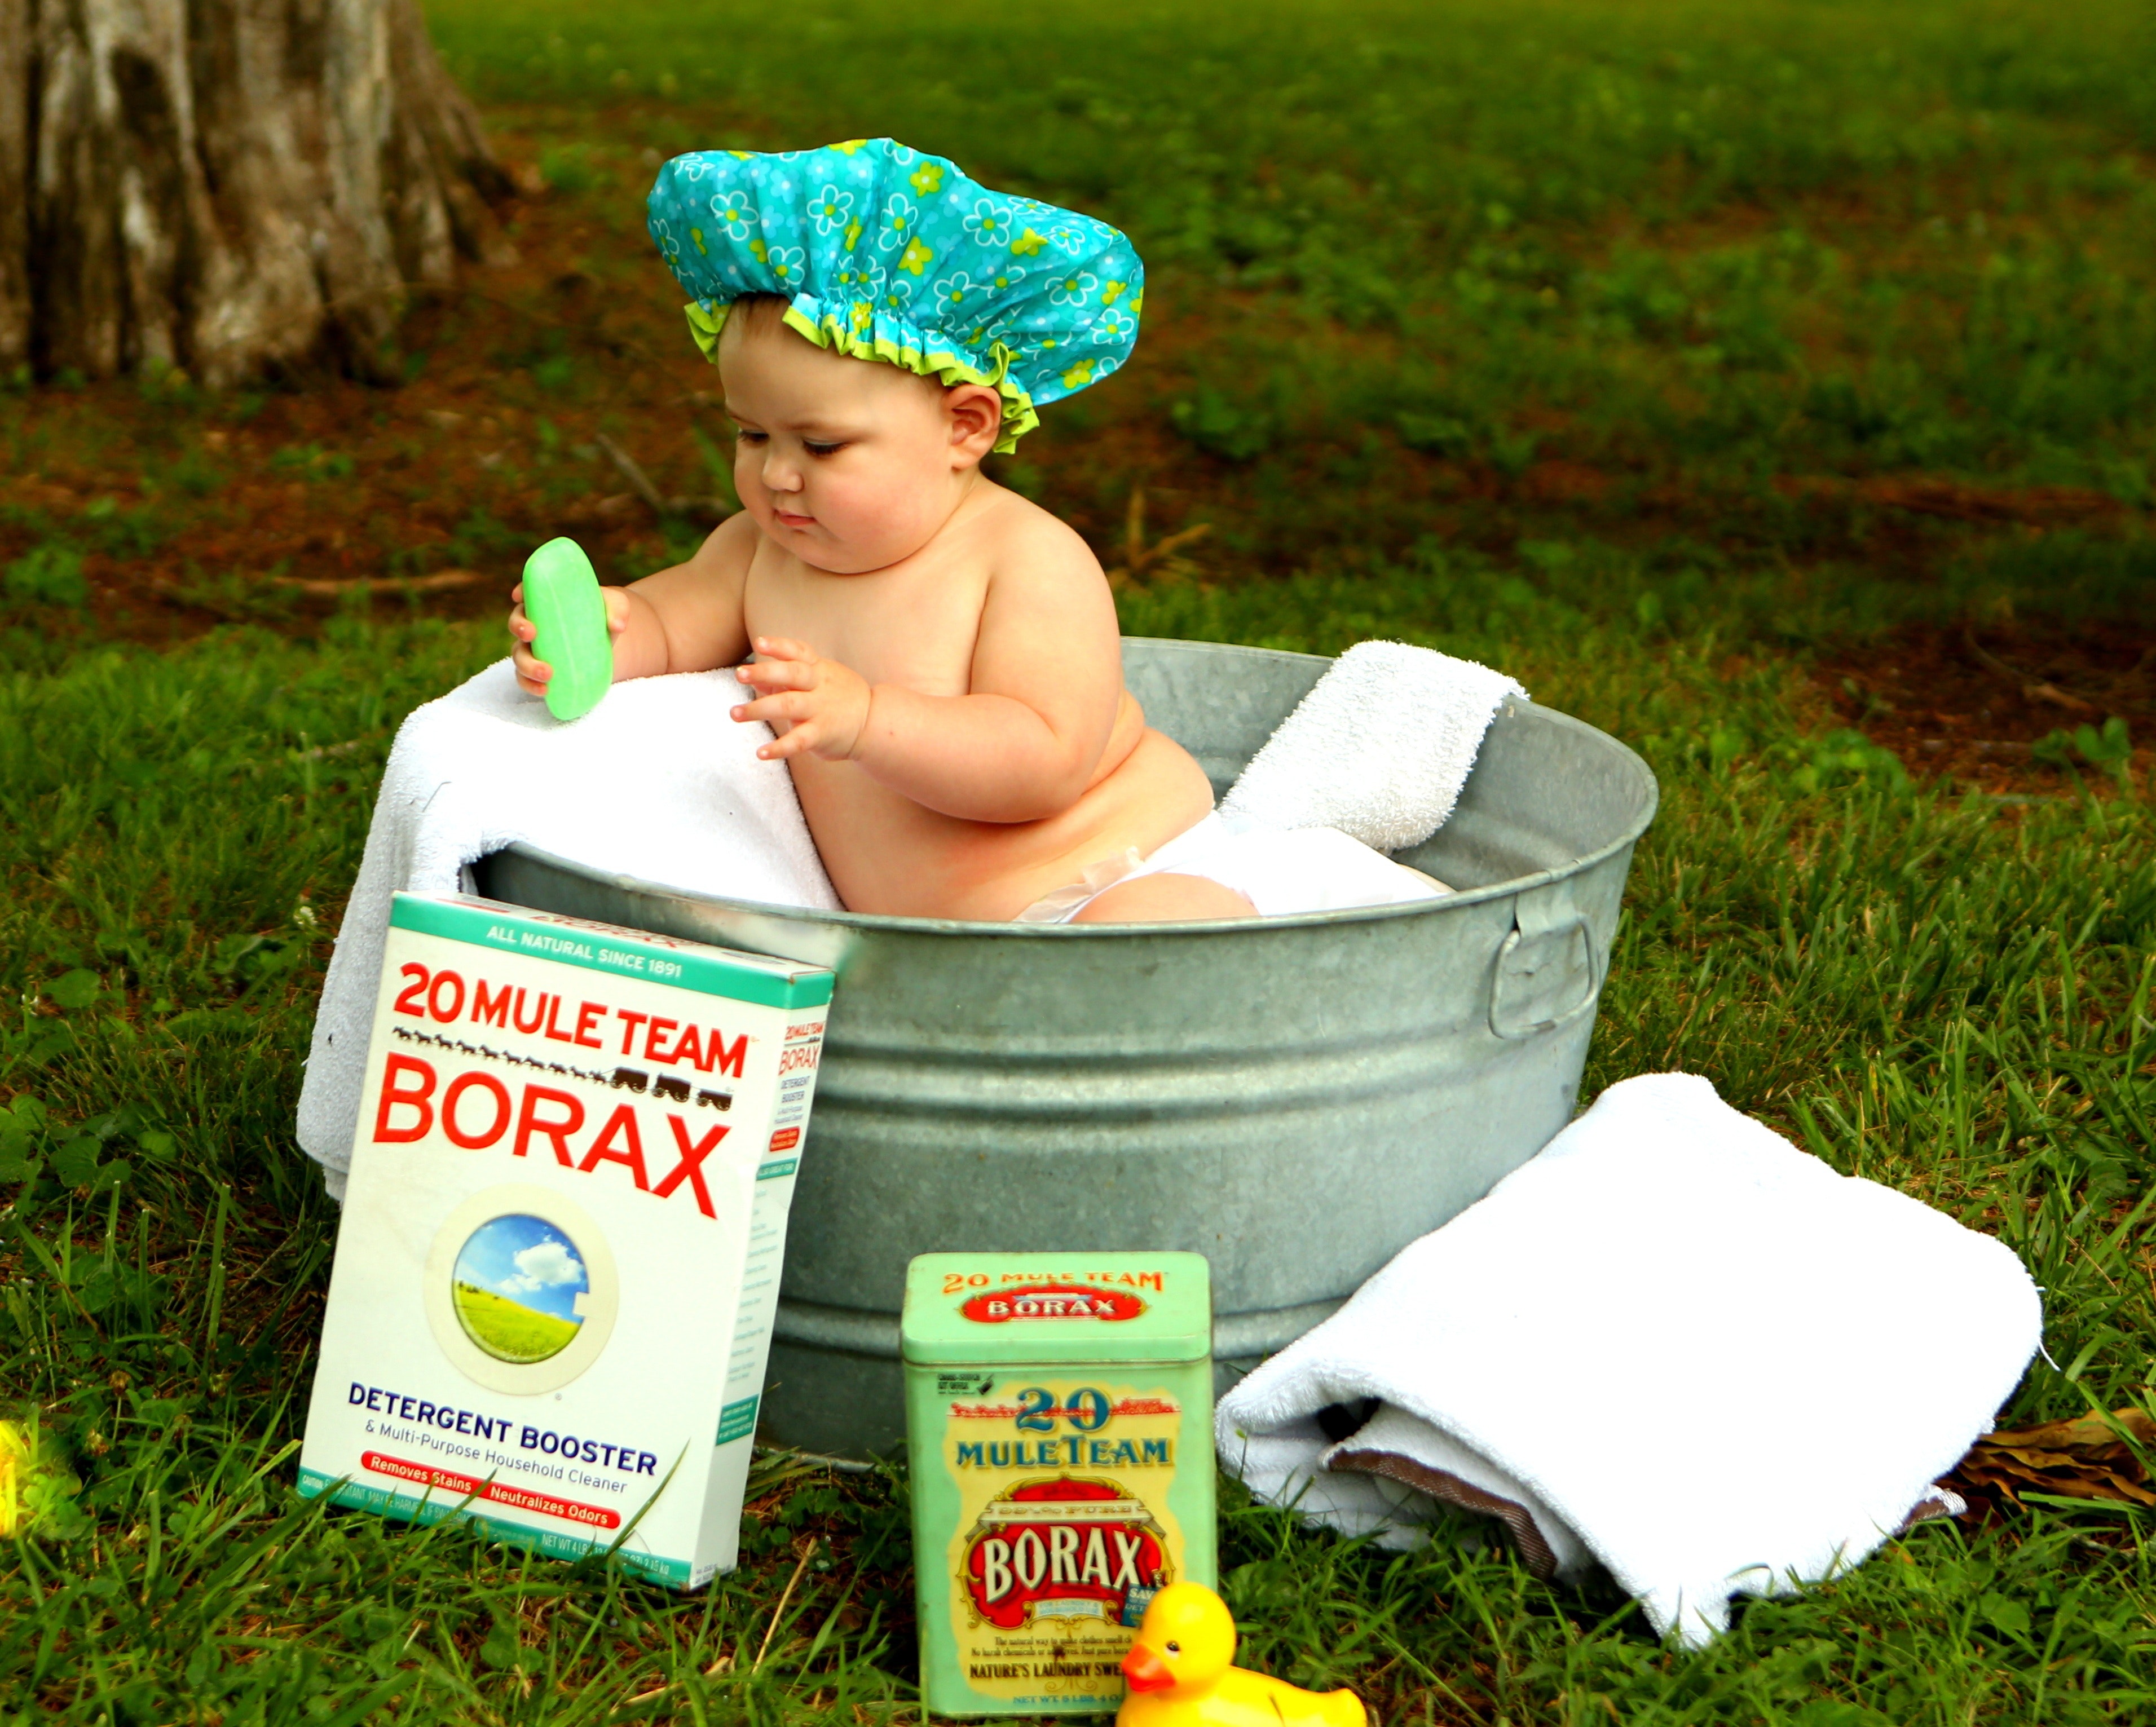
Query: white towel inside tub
x=1378 y=748
x=658 y=781
x=1672 y=1343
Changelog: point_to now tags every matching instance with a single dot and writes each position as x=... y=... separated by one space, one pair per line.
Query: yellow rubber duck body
x=1180 y=1676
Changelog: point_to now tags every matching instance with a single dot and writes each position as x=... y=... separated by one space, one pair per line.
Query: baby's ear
x=976 y=414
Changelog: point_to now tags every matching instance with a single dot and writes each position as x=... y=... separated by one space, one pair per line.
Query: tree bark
x=229 y=187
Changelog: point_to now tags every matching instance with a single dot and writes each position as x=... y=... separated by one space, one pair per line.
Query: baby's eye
x=821 y=449
x=743 y=435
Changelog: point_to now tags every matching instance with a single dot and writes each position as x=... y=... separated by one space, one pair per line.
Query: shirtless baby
x=938 y=657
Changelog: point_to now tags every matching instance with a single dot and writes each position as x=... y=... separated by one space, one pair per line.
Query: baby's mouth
x=788 y=519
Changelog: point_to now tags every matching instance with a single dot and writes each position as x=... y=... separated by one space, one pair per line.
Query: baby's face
x=849 y=464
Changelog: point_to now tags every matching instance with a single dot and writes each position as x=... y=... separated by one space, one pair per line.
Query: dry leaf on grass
x=2089 y=1458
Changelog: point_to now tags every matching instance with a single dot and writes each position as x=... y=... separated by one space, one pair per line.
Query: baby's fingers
x=783 y=648
x=531 y=674
x=798 y=741
x=772 y=709
x=786 y=705
x=775 y=674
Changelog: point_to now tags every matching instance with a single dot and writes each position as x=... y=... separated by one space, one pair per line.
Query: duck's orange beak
x=1145 y=1671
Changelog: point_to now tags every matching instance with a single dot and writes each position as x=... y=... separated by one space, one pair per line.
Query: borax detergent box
x=1060 y=1427
x=558 y=1263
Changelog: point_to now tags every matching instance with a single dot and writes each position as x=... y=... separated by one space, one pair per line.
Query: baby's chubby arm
x=1046 y=688
x=687 y=619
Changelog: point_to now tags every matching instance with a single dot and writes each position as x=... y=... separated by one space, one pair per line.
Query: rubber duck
x=1179 y=1674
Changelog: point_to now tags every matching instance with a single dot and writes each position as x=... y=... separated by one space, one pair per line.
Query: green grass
x=509 y=1329
x=1412 y=265
x=1698 y=283
x=1948 y=993
x=1400 y=254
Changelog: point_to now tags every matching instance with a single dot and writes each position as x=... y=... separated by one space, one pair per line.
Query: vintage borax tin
x=1060 y=1421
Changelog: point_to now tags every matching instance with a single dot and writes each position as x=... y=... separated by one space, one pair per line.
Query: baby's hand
x=827 y=703
x=531 y=672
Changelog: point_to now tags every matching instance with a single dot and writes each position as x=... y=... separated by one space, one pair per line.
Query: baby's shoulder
x=730 y=546
x=1021 y=537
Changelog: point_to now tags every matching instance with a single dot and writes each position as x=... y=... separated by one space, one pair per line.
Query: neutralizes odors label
x=558 y=1262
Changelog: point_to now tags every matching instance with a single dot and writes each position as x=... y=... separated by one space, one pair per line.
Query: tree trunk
x=227 y=185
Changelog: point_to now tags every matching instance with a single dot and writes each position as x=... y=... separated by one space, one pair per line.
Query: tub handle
x=1549 y=970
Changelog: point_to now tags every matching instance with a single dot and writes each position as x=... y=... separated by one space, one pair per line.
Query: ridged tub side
x=1296 y=1098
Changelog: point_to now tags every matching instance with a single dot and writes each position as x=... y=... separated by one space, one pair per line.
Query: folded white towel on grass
x=1672 y=1342
x=1378 y=748
x=657 y=781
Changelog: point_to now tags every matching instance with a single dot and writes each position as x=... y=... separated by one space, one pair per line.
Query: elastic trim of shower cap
x=854 y=330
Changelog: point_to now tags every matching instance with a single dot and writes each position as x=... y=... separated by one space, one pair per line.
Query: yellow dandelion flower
x=917 y=256
x=927 y=179
x=14 y=1466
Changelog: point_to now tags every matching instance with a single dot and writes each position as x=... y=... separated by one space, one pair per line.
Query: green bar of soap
x=562 y=598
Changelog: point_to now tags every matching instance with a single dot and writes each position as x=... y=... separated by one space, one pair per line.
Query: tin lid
x=995 y=1308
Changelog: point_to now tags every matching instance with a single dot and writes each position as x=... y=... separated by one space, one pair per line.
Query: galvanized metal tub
x=1296 y=1098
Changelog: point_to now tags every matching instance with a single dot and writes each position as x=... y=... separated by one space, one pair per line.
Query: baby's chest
x=920 y=633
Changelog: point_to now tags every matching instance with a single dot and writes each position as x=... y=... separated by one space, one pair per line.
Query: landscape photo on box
x=550 y=1310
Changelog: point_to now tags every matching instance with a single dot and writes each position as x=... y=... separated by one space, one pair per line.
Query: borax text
x=475 y=1110
x=443 y=997
x=1030 y=1560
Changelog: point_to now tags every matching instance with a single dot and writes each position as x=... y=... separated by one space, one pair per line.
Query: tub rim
x=1628 y=758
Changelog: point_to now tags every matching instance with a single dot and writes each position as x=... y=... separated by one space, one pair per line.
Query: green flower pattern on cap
x=887 y=253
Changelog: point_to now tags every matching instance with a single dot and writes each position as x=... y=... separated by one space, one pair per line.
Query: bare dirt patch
x=1954 y=500
x=1977 y=702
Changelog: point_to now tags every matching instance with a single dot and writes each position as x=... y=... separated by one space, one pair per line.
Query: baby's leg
x=1164 y=899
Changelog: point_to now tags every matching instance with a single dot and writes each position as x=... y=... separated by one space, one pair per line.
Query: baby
x=938 y=656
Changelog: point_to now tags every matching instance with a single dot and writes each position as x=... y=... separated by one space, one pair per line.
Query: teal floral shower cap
x=885 y=253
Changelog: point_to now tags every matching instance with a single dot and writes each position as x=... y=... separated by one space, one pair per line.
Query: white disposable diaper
x=1282 y=874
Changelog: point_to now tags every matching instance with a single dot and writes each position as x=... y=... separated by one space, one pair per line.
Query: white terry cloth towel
x=657 y=781
x=1672 y=1342
x=1378 y=748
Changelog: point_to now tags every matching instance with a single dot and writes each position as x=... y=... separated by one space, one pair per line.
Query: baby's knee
x=1164 y=899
